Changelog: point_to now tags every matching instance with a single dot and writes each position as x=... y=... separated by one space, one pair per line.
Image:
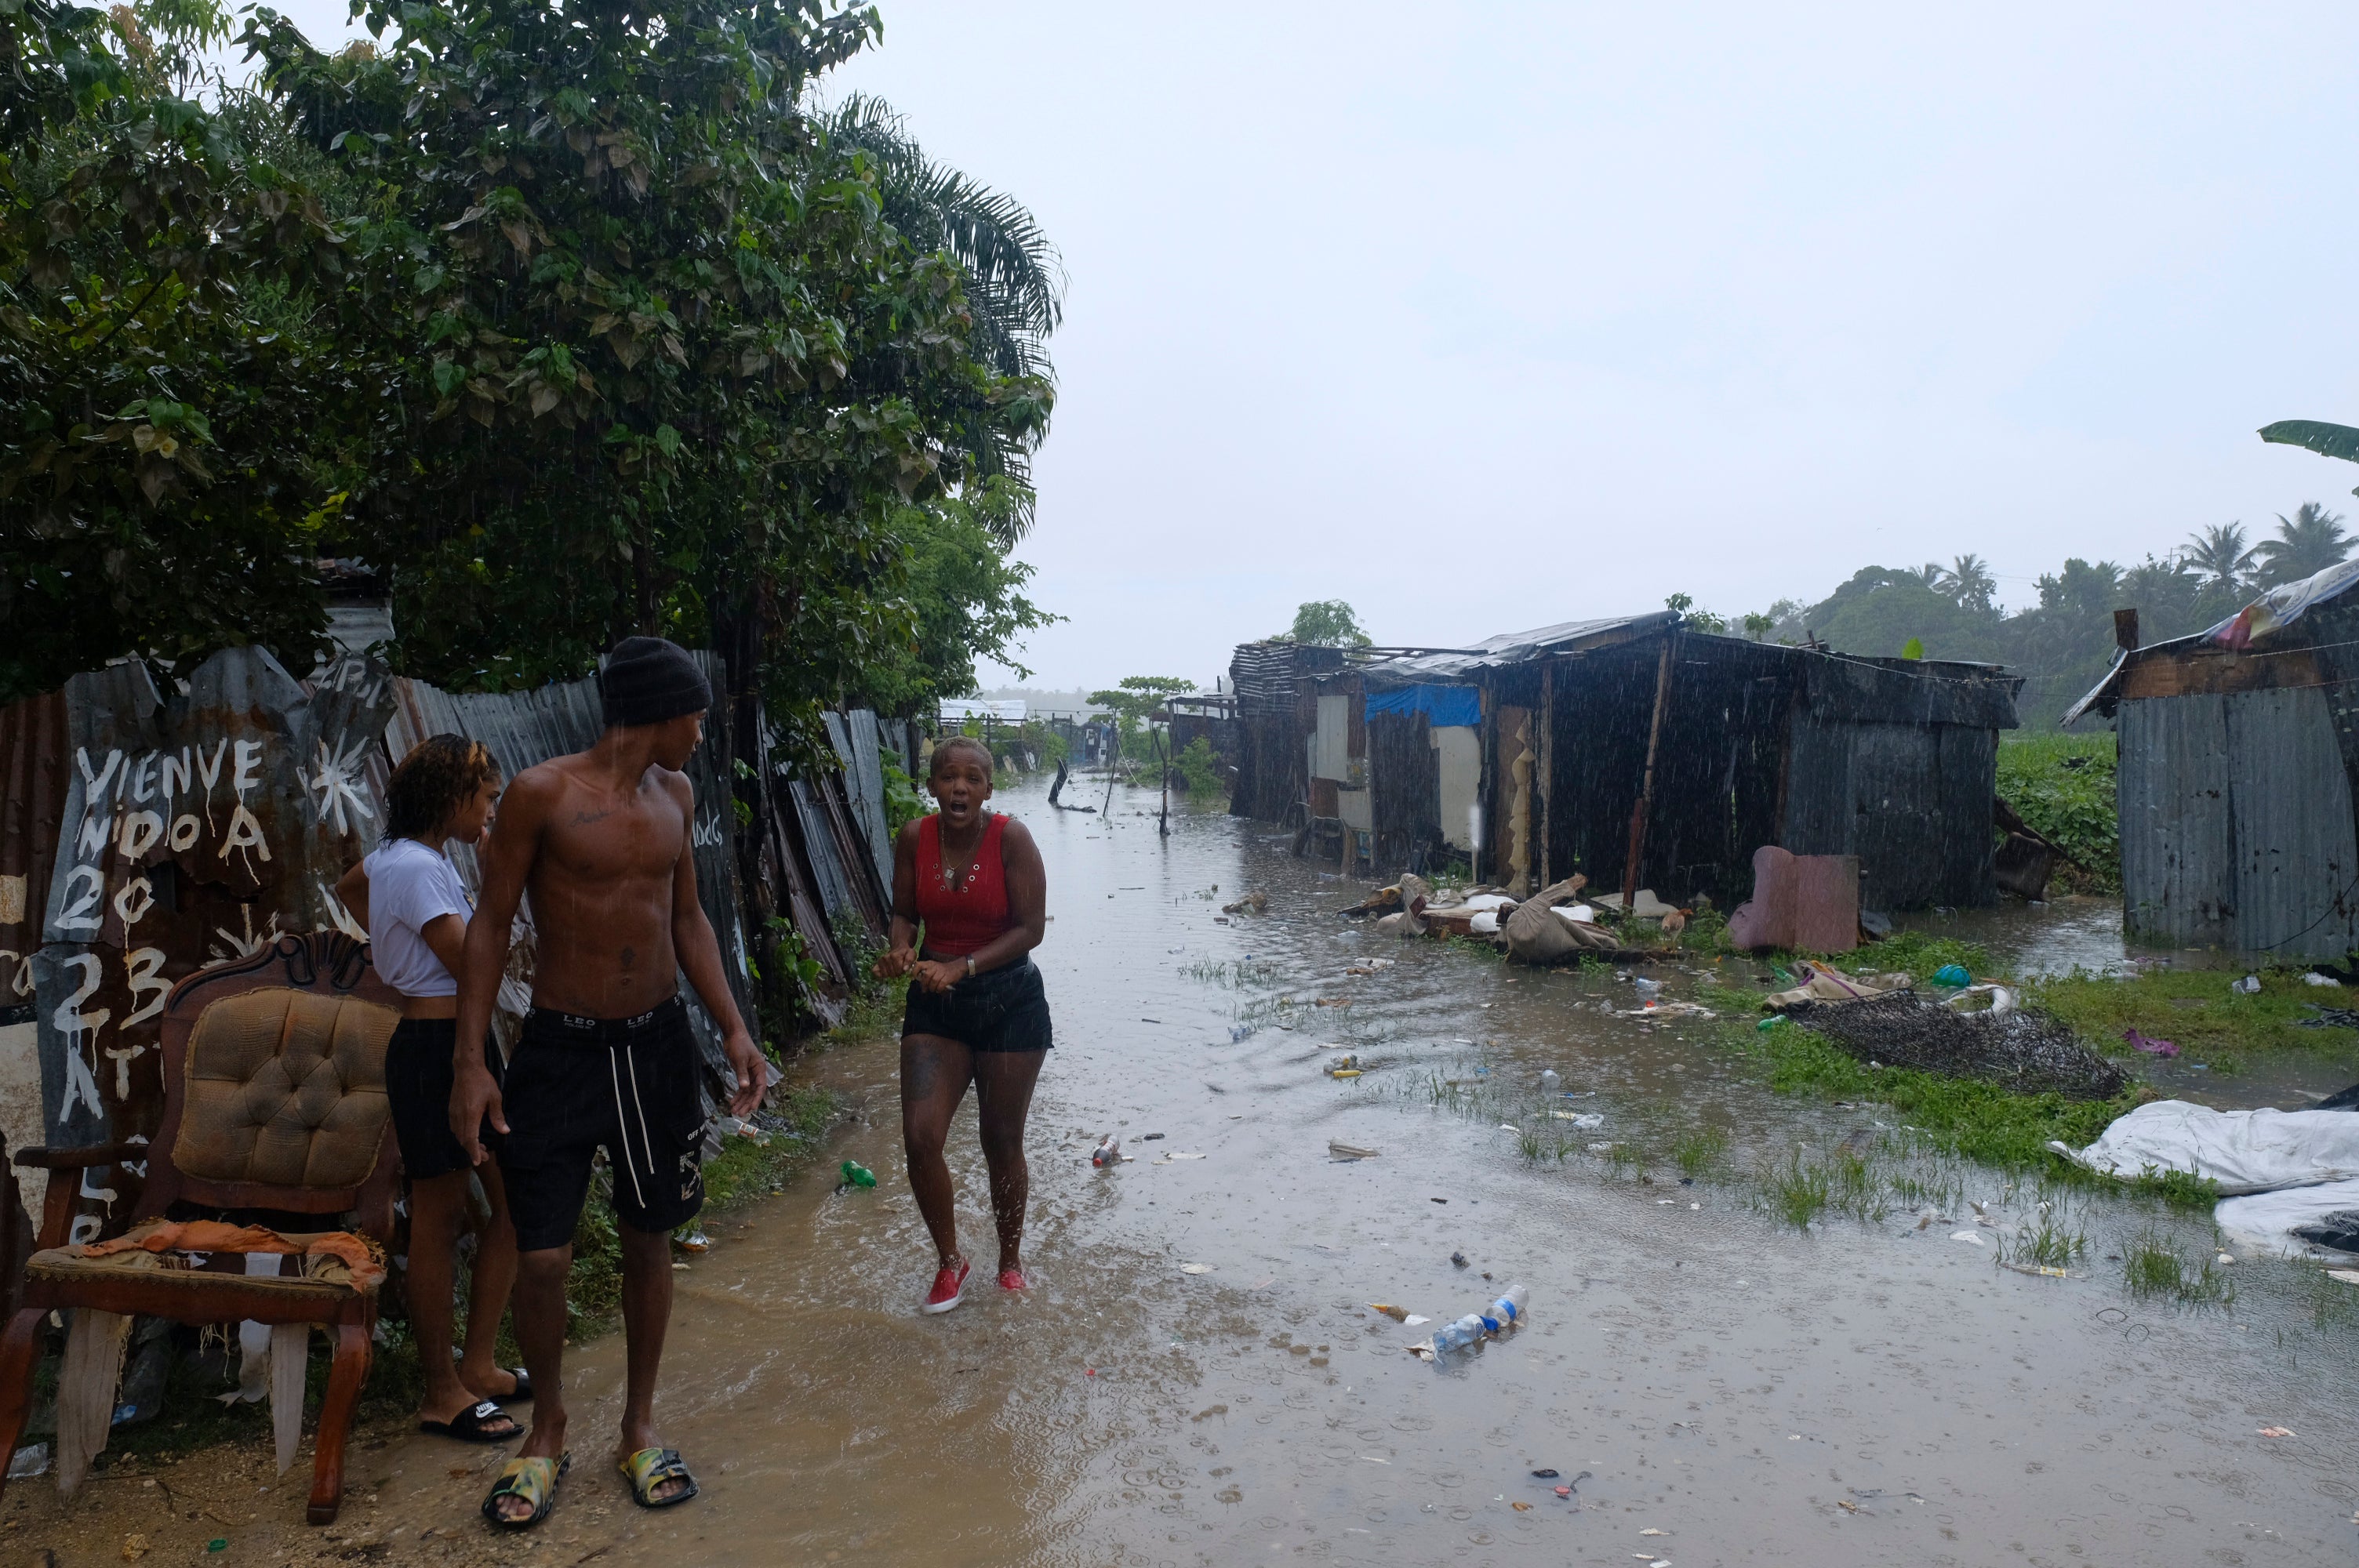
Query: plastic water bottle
x=1508 y=1311
x=1549 y=1082
x=1106 y=1152
x=1649 y=992
x=856 y=1174
x=1458 y=1335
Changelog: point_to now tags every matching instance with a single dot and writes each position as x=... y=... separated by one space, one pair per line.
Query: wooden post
x=1646 y=786
x=1547 y=763
x=1162 y=755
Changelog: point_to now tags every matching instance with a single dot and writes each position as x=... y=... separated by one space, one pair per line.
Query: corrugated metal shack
x=1278 y=714
x=1558 y=749
x=2238 y=770
x=143 y=837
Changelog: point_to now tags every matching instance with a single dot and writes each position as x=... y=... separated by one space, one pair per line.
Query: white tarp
x=2242 y=1151
x=2266 y=1220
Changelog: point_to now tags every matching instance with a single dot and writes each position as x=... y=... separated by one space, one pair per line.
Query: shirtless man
x=603 y=840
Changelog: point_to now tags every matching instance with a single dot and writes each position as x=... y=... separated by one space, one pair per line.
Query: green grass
x=2063 y=786
x=2197 y=1010
x=1699 y=1151
x=2154 y=1264
x=1797 y=1191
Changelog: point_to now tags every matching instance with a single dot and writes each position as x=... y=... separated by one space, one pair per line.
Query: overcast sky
x=1487 y=317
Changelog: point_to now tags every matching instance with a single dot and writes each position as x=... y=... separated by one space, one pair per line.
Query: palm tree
x=1015 y=280
x=2219 y=556
x=1969 y=581
x=2308 y=542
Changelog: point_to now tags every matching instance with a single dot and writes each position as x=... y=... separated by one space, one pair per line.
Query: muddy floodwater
x=1196 y=1377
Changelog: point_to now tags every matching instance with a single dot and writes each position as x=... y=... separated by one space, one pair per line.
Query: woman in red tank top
x=977 y=1013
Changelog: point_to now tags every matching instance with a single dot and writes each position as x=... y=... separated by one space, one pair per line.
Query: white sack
x=2266 y=1220
x=2243 y=1151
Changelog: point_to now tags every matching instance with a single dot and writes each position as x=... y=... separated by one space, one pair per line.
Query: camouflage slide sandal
x=534 y=1480
x=650 y=1468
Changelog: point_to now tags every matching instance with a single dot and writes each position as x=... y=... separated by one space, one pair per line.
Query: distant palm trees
x=2308 y=542
x=2219 y=555
x=1968 y=581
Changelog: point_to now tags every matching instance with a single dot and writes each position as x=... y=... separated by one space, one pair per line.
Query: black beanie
x=648 y=680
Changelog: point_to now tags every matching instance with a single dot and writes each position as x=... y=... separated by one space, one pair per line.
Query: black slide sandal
x=467 y=1426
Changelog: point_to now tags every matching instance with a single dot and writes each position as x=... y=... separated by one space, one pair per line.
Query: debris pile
x=2021 y=1049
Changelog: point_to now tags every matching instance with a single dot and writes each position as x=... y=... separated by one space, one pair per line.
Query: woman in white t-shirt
x=408 y=895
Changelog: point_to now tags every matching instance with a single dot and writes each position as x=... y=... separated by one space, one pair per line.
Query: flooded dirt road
x=1717 y=1387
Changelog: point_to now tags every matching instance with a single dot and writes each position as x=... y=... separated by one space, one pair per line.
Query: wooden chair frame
x=323 y=963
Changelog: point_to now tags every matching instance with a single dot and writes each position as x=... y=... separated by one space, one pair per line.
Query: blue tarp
x=1442 y=705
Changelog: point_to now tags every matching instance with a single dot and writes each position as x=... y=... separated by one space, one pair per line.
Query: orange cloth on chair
x=213 y=1236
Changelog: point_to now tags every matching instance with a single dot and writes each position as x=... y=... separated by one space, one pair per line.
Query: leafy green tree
x=963 y=599
x=655 y=361
x=1016 y=281
x=162 y=484
x=2307 y=543
x=1326 y=623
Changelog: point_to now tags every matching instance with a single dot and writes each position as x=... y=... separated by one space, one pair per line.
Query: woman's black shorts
x=999 y=1010
x=418 y=1081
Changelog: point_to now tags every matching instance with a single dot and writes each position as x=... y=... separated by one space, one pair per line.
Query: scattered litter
x=1195 y=1268
x=854 y=1174
x=1150 y=1137
x=1544 y=1475
x=1177 y=1155
x=697 y=1241
x=2249 y=986
x=2330 y=1017
x=1398 y=1314
x=2042 y=1270
x=1968 y=1236
x=1521 y=1508
x=1349 y=1151
x=2348 y=1276
x=29 y=1461
x=2275 y=1432
x=2149 y=1044
x=1251 y=903
x=1954 y=976
x=1437 y=1200
x=1243 y=1031
x=2315 y=979
x=1768 y=1023
x=1106 y=1153
x=1580 y=1118
x=1459 y=1259
x=1847 y=1504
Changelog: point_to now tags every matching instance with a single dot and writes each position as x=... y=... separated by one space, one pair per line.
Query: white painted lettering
x=140 y=831
x=132 y=900
x=185 y=829
x=209 y=768
x=145 y=974
x=81 y=913
x=249 y=766
x=94 y=785
x=245 y=833
x=175 y=776
x=142 y=778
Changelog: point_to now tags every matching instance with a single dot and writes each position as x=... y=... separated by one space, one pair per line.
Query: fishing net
x=2022 y=1049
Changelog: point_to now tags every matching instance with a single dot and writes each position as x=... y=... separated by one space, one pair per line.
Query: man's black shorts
x=626 y=1084
x=417 y=1079
x=999 y=1010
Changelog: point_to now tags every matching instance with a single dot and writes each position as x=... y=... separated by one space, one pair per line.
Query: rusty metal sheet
x=32 y=770
x=194 y=831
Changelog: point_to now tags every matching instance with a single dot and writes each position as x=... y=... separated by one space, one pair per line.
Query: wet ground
x=1197 y=1380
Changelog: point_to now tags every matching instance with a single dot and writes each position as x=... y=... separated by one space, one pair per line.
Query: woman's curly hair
x=440 y=776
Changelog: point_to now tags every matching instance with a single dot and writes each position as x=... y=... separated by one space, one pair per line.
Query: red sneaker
x=1013 y=1280
x=949 y=1288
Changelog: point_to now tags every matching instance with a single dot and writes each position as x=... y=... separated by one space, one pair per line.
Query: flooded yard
x=1198 y=1379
